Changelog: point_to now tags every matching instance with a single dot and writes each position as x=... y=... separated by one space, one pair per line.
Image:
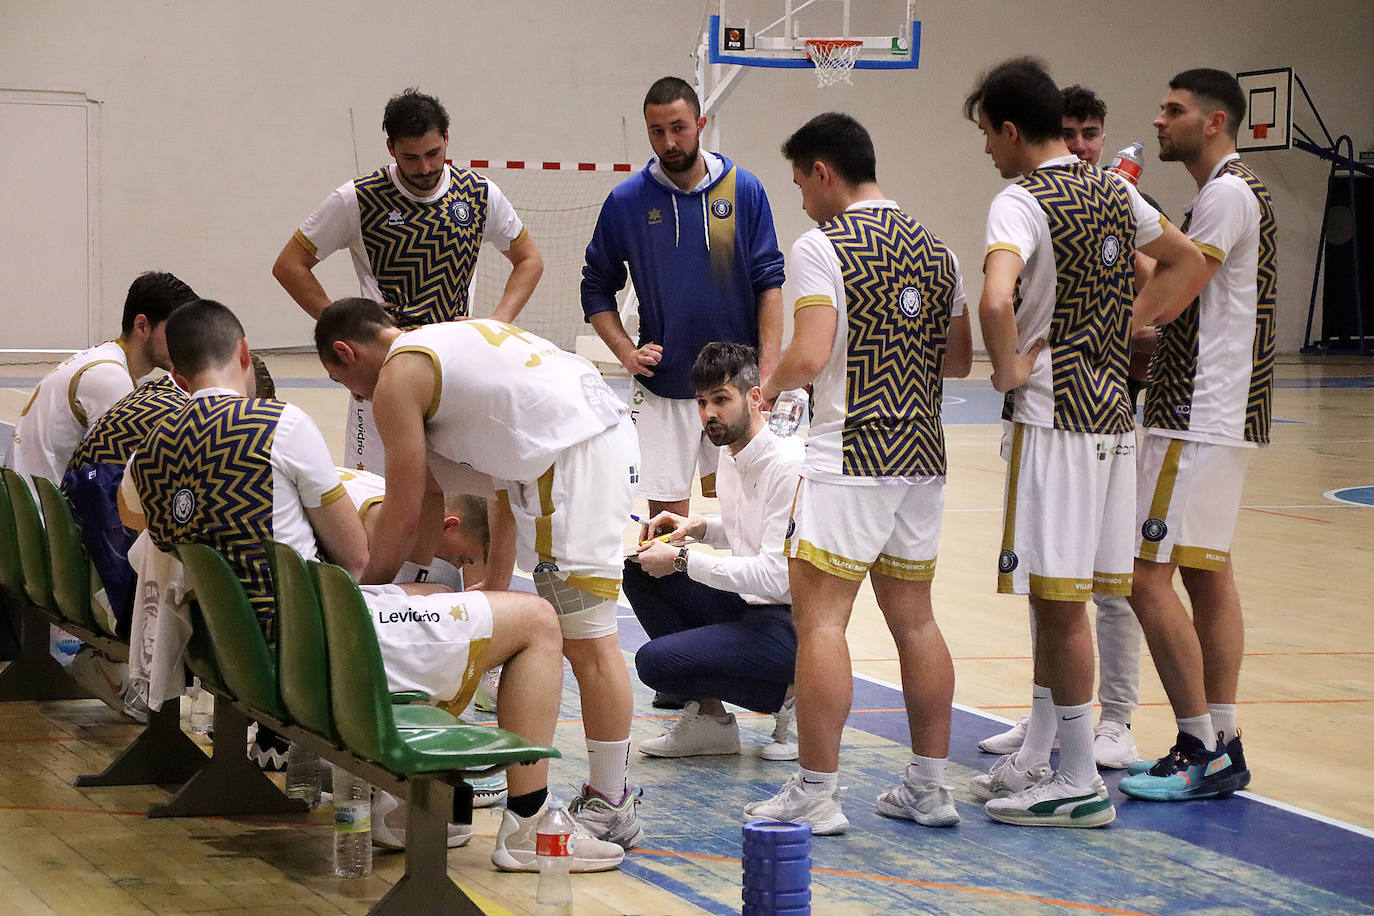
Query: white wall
x=223 y=125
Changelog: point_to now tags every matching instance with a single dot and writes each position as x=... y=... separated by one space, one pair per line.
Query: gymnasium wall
x=222 y=125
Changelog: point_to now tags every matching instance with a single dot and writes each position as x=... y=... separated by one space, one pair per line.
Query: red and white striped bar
x=544 y=166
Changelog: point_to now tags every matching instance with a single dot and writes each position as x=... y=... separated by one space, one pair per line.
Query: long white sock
x=926 y=769
x=1040 y=732
x=1200 y=727
x=609 y=762
x=815 y=783
x=1076 y=764
x=1224 y=719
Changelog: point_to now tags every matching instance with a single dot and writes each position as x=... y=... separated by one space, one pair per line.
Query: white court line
x=1273 y=803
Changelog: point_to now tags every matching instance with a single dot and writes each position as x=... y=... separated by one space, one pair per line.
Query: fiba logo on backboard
x=461 y=211
x=1111 y=250
x=183 y=505
x=909 y=301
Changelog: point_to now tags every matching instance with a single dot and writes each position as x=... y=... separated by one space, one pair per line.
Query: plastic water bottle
x=553 y=845
x=202 y=709
x=1130 y=162
x=352 y=825
x=303 y=774
x=788 y=410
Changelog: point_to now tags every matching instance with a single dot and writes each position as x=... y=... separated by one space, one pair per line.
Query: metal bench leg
x=426 y=886
x=162 y=754
x=230 y=783
x=35 y=674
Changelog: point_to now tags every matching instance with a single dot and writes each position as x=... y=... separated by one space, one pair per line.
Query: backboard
x=1268 y=120
x=773 y=33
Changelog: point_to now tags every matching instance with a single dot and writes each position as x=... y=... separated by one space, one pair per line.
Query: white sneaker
x=515 y=846
x=615 y=823
x=1055 y=804
x=694 y=735
x=784 y=743
x=926 y=802
x=485 y=697
x=1005 y=779
x=108 y=682
x=1010 y=741
x=1113 y=746
x=389 y=824
x=793 y=804
x=488 y=791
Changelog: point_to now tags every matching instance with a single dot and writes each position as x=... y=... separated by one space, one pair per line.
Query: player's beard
x=686 y=163
x=1179 y=149
x=721 y=433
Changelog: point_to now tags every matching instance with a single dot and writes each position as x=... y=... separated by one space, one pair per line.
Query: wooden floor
x=1303 y=563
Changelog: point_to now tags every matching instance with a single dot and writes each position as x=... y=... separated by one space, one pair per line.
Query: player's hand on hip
x=640 y=360
x=1018 y=369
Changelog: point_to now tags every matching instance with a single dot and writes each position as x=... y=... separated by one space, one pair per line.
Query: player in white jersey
x=74 y=395
x=879 y=322
x=557 y=446
x=1055 y=313
x=413 y=229
x=1207 y=409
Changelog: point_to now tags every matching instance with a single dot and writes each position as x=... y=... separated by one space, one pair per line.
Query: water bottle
x=788 y=410
x=553 y=845
x=1129 y=163
x=303 y=774
x=352 y=825
x=202 y=709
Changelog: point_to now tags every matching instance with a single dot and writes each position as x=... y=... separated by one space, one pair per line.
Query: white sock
x=1076 y=764
x=926 y=769
x=816 y=783
x=1200 y=727
x=410 y=572
x=1224 y=719
x=445 y=573
x=609 y=762
x=1040 y=732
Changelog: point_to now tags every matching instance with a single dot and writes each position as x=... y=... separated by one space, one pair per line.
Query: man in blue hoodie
x=697 y=235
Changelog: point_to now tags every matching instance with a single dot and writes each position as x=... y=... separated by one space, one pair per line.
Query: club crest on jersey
x=791 y=527
x=909 y=301
x=1006 y=561
x=655 y=216
x=461 y=211
x=1154 y=530
x=1111 y=250
x=183 y=505
x=546 y=567
x=394 y=218
x=721 y=208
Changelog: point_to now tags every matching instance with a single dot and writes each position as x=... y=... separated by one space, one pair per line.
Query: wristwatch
x=680 y=561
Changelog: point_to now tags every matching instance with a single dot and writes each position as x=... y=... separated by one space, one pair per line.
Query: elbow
x=958 y=366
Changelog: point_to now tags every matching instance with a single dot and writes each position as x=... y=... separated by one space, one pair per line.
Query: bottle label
x=552 y=844
x=1126 y=168
x=352 y=817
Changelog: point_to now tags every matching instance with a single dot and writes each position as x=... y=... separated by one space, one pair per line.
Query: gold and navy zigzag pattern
x=1173 y=367
x=1258 y=408
x=1092 y=232
x=423 y=254
x=205 y=477
x=893 y=382
x=113 y=437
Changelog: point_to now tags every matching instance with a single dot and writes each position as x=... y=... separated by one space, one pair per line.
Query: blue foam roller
x=784 y=902
x=786 y=874
x=771 y=833
x=777 y=869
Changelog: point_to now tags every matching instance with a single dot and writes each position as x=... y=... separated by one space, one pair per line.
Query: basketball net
x=834 y=58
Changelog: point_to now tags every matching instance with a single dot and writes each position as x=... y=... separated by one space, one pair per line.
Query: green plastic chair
x=11 y=567
x=240 y=651
x=71 y=569
x=362 y=707
x=33 y=547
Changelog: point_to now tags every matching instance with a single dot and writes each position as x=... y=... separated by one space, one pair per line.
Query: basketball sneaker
x=784 y=743
x=389 y=824
x=488 y=791
x=1113 y=747
x=1190 y=772
x=1005 y=779
x=615 y=823
x=926 y=802
x=268 y=749
x=793 y=804
x=1009 y=741
x=515 y=846
x=1055 y=803
x=694 y=735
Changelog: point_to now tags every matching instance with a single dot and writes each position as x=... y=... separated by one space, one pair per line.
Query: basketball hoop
x=834 y=58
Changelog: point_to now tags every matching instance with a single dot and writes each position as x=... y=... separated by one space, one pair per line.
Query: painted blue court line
x=1345 y=381
x=1354 y=496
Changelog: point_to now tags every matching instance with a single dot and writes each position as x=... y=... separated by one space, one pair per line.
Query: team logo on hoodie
x=722 y=208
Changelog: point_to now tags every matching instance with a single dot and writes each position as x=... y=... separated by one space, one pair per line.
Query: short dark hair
x=201 y=335
x=413 y=114
x=354 y=319
x=1082 y=104
x=472 y=510
x=721 y=363
x=668 y=89
x=1216 y=88
x=1021 y=91
x=839 y=141
x=154 y=294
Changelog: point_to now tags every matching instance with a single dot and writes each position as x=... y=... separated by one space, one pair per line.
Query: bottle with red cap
x=1129 y=163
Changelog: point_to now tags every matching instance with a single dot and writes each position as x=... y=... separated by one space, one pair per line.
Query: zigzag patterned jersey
x=900 y=283
x=423 y=254
x=205 y=476
x=1092 y=231
x=121 y=429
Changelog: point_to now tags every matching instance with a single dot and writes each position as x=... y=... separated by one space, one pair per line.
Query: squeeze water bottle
x=352 y=825
x=553 y=844
x=788 y=410
x=303 y=774
x=1129 y=163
